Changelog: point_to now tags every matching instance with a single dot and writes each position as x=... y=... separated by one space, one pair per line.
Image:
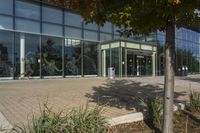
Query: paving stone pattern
x=20 y=99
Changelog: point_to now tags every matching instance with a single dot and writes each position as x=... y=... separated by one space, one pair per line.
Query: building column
x=103 y=63
x=22 y=55
x=154 y=64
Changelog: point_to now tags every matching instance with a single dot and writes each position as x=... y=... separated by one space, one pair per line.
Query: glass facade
x=6 y=22
x=27 y=10
x=27 y=55
x=27 y=25
x=51 y=56
x=6 y=54
x=40 y=40
x=90 y=58
x=49 y=13
x=6 y=7
x=73 y=57
x=187 y=50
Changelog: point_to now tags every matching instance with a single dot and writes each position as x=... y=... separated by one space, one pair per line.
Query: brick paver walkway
x=19 y=100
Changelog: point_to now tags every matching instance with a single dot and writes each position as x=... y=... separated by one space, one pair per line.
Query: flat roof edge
x=127 y=40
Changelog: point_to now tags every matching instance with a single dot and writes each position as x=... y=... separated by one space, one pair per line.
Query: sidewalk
x=19 y=100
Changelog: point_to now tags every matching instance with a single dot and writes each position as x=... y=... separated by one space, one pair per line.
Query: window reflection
x=27 y=10
x=27 y=25
x=52 y=29
x=107 y=27
x=6 y=7
x=72 y=57
x=115 y=59
x=90 y=58
x=27 y=55
x=52 y=15
x=90 y=35
x=51 y=56
x=6 y=22
x=72 y=32
x=72 y=19
x=105 y=37
x=187 y=49
x=91 y=26
x=6 y=65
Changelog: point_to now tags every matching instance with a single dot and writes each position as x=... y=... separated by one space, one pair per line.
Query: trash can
x=111 y=72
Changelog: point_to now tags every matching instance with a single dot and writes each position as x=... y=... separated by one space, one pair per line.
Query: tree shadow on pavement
x=126 y=94
x=192 y=79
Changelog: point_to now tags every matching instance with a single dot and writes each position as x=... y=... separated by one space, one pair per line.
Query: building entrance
x=139 y=65
x=128 y=58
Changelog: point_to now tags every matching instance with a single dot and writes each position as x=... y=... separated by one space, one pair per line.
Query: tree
x=143 y=17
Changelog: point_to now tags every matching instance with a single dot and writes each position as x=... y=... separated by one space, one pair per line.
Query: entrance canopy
x=129 y=58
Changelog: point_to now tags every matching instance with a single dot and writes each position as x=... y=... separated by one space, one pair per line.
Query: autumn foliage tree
x=143 y=17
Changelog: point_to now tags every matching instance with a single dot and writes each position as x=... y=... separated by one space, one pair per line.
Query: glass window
x=27 y=25
x=106 y=28
x=27 y=10
x=51 y=56
x=117 y=36
x=184 y=35
x=52 y=15
x=6 y=22
x=189 y=62
x=6 y=47
x=117 y=29
x=6 y=7
x=72 y=32
x=104 y=37
x=115 y=59
x=31 y=57
x=90 y=35
x=52 y=29
x=72 y=57
x=195 y=64
x=91 y=26
x=90 y=58
x=72 y=19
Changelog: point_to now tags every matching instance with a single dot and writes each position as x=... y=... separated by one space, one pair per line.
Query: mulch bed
x=182 y=122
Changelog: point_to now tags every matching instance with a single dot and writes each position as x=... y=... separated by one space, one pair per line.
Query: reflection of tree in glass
x=73 y=60
x=71 y=66
x=184 y=57
x=30 y=61
x=51 y=58
x=5 y=65
x=90 y=63
x=90 y=58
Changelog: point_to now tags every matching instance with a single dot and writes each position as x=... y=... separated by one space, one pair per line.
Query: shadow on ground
x=192 y=79
x=126 y=94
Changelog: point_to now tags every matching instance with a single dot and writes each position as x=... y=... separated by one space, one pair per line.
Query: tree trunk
x=169 y=76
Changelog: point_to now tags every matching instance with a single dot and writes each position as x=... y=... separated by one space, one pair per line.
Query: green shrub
x=84 y=121
x=155 y=110
x=81 y=120
x=194 y=104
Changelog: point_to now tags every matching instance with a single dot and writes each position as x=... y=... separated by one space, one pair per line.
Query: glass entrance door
x=131 y=65
x=139 y=65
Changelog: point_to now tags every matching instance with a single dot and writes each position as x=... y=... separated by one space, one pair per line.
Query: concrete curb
x=5 y=126
x=126 y=119
x=135 y=117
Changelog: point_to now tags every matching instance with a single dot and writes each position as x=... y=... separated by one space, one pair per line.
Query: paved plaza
x=20 y=99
